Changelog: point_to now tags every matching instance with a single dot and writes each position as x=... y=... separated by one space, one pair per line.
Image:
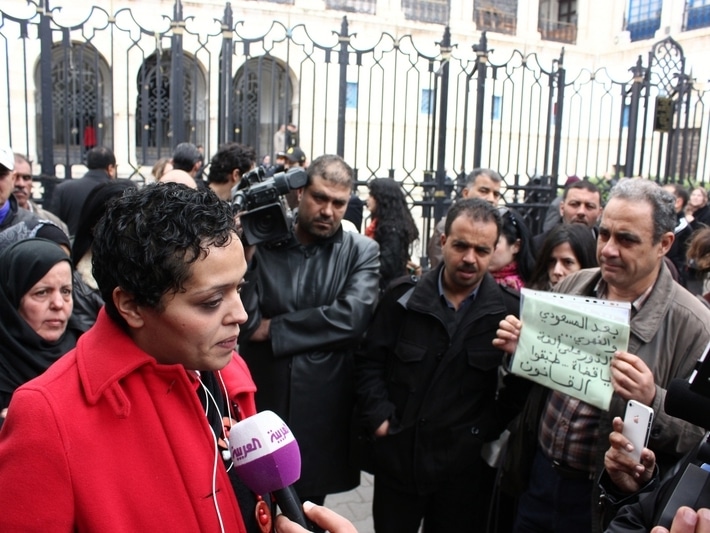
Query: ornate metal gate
x=424 y=113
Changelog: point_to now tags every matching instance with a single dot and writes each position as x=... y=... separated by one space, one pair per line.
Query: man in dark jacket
x=427 y=382
x=309 y=301
x=69 y=195
x=10 y=212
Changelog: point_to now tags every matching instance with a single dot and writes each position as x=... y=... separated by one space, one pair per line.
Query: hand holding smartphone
x=638 y=420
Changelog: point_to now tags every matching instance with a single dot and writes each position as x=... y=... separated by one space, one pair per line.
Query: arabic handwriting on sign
x=569 y=380
x=579 y=378
x=605 y=329
x=545 y=355
x=554 y=319
x=594 y=359
x=241 y=452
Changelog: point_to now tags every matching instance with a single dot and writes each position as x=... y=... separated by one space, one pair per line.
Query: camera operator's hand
x=628 y=475
x=383 y=429
x=687 y=520
x=248 y=249
x=248 y=252
x=632 y=379
x=319 y=515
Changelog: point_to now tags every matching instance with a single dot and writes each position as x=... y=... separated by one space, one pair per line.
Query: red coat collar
x=99 y=373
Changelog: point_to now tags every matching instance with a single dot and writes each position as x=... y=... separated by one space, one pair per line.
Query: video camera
x=265 y=217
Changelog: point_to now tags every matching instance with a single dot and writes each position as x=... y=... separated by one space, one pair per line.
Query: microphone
x=266 y=458
x=682 y=402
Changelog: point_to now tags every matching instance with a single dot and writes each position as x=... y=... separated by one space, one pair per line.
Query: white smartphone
x=638 y=420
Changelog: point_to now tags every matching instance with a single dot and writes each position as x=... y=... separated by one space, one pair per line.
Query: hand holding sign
x=632 y=379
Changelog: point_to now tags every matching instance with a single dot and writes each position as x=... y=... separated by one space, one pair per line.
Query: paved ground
x=355 y=505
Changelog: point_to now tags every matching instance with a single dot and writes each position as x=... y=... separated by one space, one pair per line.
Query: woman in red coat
x=125 y=432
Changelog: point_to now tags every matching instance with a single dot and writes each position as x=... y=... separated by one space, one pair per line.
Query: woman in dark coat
x=36 y=306
x=392 y=226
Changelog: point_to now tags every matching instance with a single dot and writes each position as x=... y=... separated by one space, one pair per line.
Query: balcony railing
x=493 y=19
x=353 y=6
x=434 y=11
x=698 y=17
x=554 y=30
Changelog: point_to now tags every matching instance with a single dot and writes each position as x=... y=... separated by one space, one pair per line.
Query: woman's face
x=696 y=198
x=504 y=254
x=562 y=263
x=198 y=327
x=47 y=306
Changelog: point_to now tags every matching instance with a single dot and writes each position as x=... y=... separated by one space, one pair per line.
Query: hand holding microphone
x=266 y=458
x=324 y=517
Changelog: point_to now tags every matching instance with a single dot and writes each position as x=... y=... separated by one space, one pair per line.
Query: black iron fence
x=424 y=113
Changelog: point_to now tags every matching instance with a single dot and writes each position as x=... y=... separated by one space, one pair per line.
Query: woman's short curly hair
x=148 y=239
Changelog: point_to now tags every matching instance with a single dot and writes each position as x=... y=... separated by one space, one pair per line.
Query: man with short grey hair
x=670 y=328
x=23 y=192
x=189 y=158
x=480 y=183
x=10 y=212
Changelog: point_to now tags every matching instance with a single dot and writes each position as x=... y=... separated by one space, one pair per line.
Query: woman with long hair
x=698 y=255
x=566 y=249
x=392 y=226
x=512 y=261
x=697 y=211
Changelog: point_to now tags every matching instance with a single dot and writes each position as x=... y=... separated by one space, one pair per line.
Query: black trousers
x=460 y=510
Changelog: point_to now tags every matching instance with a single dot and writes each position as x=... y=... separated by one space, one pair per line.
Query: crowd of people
x=140 y=326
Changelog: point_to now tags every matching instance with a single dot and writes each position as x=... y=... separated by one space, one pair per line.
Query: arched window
x=263 y=96
x=154 y=126
x=82 y=103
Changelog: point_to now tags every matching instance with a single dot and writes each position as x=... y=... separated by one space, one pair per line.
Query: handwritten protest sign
x=567 y=343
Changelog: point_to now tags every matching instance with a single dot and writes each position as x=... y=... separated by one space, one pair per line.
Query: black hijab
x=24 y=355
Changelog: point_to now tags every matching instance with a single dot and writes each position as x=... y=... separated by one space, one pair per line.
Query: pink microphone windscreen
x=265 y=453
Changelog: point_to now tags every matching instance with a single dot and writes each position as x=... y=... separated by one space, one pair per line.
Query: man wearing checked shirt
x=669 y=331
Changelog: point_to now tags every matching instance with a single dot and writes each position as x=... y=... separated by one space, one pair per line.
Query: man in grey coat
x=309 y=301
x=670 y=328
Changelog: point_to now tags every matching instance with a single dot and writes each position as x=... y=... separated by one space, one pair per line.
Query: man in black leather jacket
x=428 y=380
x=309 y=301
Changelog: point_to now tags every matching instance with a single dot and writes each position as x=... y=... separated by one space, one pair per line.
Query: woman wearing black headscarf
x=87 y=300
x=36 y=307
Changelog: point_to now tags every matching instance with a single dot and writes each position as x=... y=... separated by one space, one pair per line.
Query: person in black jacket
x=309 y=300
x=69 y=195
x=427 y=382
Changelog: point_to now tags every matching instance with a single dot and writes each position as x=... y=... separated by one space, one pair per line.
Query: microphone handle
x=290 y=505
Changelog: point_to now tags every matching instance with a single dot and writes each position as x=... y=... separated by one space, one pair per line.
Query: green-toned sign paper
x=567 y=343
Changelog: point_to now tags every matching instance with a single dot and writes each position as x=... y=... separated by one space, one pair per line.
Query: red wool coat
x=109 y=440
